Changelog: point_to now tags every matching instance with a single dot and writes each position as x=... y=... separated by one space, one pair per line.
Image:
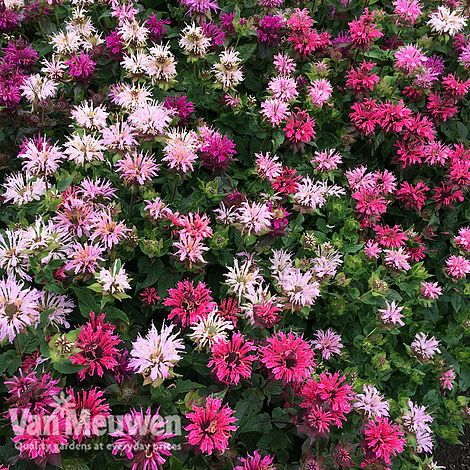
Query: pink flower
x=84 y=258
x=397 y=258
x=383 y=439
x=284 y=64
x=413 y=196
x=299 y=127
x=275 y=111
x=137 y=168
x=39 y=437
x=425 y=348
x=88 y=412
x=149 y=296
x=210 y=426
x=255 y=461
x=462 y=240
x=327 y=401
x=288 y=356
x=141 y=437
x=97 y=343
x=328 y=343
x=407 y=10
x=409 y=59
x=268 y=166
x=430 y=290
x=371 y=403
x=372 y=250
x=232 y=359
x=363 y=31
x=189 y=302
x=81 y=66
x=457 y=266
x=447 y=379
x=391 y=314
x=361 y=79
x=320 y=92
x=390 y=237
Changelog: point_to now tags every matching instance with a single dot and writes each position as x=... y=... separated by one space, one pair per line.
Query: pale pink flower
x=397 y=258
x=254 y=217
x=190 y=248
x=430 y=290
x=150 y=119
x=137 y=168
x=447 y=379
x=320 y=92
x=328 y=343
x=88 y=116
x=268 y=166
x=425 y=348
x=372 y=403
x=108 y=231
x=392 y=314
x=326 y=160
x=372 y=250
x=19 y=308
x=275 y=111
x=180 y=150
x=284 y=64
x=84 y=258
x=41 y=157
x=119 y=136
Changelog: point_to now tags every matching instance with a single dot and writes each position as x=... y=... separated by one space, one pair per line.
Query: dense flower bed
x=248 y=218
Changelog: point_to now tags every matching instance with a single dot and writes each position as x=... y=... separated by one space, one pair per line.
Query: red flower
x=299 y=127
x=97 y=343
x=189 y=302
x=149 y=296
x=231 y=359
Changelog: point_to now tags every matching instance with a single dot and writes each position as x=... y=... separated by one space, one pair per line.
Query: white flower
x=193 y=40
x=210 y=329
x=444 y=21
x=254 y=217
x=84 y=148
x=21 y=188
x=114 y=280
x=161 y=64
x=311 y=194
x=133 y=33
x=300 y=288
x=241 y=278
x=38 y=88
x=155 y=355
x=227 y=70
x=14 y=256
x=88 y=116
x=66 y=42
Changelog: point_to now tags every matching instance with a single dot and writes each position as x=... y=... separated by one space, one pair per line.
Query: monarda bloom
x=210 y=426
x=216 y=150
x=288 y=356
x=87 y=412
x=32 y=392
x=189 y=302
x=81 y=66
x=156 y=354
x=142 y=438
x=383 y=439
x=255 y=462
x=300 y=127
x=232 y=359
x=98 y=347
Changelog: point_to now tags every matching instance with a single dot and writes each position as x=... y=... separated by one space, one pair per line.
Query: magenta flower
x=81 y=66
x=210 y=426
x=142 y=438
